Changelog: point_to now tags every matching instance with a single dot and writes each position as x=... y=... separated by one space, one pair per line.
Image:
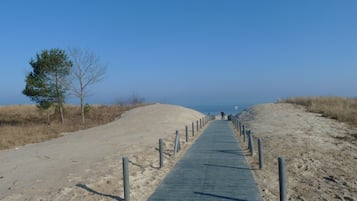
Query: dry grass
x=339 y=108
x=24 y=124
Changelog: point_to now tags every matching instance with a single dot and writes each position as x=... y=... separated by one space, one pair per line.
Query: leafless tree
x=87 y=70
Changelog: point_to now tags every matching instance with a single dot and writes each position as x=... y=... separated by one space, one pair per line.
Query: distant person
x=222 y=115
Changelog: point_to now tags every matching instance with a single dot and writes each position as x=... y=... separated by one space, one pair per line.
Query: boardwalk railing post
x=243 y=130
x=248 y=136
x=243 y=135
x=186 y=128
x=161 y=150
x=193 y=129
x=200 y=123
x=197 y=125
x=177 y=142
x=282 y=179
x=126 y=179
x=240 y=128
x=260 y=151
x=251 y=143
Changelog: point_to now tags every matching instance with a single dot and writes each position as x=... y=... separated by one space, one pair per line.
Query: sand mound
x=320 y=153
x=86 y=165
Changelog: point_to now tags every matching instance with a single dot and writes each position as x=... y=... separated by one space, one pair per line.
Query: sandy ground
x=87 y=165
x=320 y=153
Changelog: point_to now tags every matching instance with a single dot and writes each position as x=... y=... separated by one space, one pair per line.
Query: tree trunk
x=60 y=107
x=61 y=112
x=59 y=94
x=48 y=117
x=82 y=110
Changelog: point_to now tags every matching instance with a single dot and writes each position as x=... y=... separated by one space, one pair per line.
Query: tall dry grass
x=339 y=108
x=24 y=124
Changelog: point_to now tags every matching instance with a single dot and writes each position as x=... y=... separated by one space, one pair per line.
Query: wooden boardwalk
x=214 y=168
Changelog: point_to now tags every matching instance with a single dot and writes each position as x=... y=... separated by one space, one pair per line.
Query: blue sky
x=196 y=52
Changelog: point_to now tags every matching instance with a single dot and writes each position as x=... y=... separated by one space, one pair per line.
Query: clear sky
x=189 y=52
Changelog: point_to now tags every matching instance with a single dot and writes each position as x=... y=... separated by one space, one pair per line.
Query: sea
x=217 y=109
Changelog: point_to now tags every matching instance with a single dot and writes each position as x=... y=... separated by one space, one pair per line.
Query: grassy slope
x=339 y=108
x=24 y=124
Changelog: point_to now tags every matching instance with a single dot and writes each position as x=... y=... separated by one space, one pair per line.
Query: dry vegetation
x=24 y=124
x=341 y=109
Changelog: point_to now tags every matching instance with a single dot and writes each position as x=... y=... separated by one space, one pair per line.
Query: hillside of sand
x=320 y=153
x=86 y=165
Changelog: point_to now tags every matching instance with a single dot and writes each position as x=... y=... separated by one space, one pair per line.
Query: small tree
x=87 y=70
x=47 y=83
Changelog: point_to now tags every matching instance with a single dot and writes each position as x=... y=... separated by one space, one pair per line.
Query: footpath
x=214 y=168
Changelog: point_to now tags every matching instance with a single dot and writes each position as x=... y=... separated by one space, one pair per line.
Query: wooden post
x=193 y=129
x=243 y=129
x=243 y=136
x=126 y=179
x=248 y=136
x=176 y=145
x=186 y=128
x=161 y=151
x=179 y=142
x=260 y=151
x=282 y=179
x=251 y=143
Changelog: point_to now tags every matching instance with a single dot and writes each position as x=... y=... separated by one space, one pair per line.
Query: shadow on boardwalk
x=223 y=166
x=218 y=196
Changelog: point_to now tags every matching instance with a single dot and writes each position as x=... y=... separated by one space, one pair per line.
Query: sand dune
x=86 y=165
x=320 y=153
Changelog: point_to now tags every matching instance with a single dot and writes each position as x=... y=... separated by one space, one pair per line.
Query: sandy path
x=86 y=165
x=320 y=153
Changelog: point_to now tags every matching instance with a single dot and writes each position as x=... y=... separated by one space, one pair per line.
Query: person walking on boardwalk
x=222 y=115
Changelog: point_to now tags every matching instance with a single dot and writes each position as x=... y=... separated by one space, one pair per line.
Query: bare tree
x=87 y=70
